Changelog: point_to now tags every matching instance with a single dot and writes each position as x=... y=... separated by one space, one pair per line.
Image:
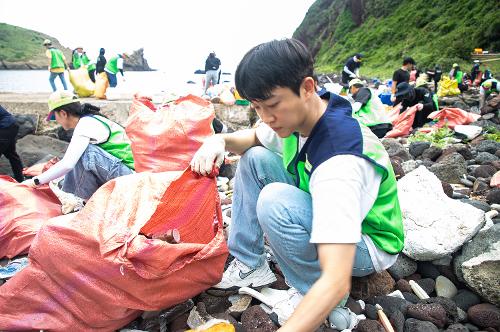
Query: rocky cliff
x=441 y=31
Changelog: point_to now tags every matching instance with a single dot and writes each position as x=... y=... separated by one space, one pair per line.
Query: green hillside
x=19 y=45
x=439 y=31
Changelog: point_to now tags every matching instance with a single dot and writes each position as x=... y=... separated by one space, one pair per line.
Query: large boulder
x=434 y=224
x=33 y=148
x=27 y=124
x=479 y=264
x=236 y=117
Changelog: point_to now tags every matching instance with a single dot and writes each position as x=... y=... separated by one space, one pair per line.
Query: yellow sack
x=101 y=85
x=448 y=87
x=215 y=327
x=81 y=82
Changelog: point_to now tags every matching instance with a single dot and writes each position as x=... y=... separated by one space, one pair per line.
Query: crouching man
x=315 y=181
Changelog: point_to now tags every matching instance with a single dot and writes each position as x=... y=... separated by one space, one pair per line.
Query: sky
x=176 y=36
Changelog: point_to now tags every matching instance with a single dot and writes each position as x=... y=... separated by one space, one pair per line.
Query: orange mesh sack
x=97 y=271
x=166 y=139
x=23 y=210
x=452 y=117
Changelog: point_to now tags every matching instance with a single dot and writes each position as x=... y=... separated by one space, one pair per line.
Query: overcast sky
x=176 y=35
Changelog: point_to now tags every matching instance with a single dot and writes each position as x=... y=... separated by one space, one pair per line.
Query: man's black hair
x=408 y=61
x=278 y=63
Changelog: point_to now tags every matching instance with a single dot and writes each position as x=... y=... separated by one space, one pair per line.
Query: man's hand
x=393 y=98
x=336 y=261
x=420 y=106
x=30 y=183
x=209 y=154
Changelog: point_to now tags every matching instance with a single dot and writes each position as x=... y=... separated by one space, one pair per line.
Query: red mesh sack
x=23 y=210
x=97 y=271
x=167 y=138
x=402 y=125
x=452 y=117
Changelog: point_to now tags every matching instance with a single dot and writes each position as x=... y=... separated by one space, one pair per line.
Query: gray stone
x=480 y=186
x=403 y=267
x=434 y=224
x=457 y=328
x=489 y=146
x=427 y=284
x=450 y=168
x=409 y=166
x=27 y=124
x=445 y=288
x=390 y=304
x=479 y=263
x=33 y=148
x=417 y=148
x=395 y=149
x=485 y=124
x=485 y=158
x=397 y=320
x=415 y=325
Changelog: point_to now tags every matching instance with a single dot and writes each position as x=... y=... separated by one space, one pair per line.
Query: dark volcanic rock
x=450 y=168
x=484 y=315
x=415 y=325
x=432 y=153
x=395 y=149
x=403 y=267
x=417 y=148
x=214 y=304
x=410 y=297
x=483 y=158
x=433 y=313
x=427 y=270
x=477 y=204
x=447 y=188
x=390 y=304
x=448 y=305
x=427 y=284
x=403 y=286
x=493 y=196
x=489 y=146
x=371 y=311
x=457 y=328
x=397 y=320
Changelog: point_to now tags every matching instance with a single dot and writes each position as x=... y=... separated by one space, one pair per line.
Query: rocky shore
x=450 y=199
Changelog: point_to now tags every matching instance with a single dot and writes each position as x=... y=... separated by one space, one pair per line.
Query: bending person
x=425 y=100
x=368 y=109
x=99 y=150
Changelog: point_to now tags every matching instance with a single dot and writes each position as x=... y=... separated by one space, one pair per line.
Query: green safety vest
x=383 y=223
x=112 y=65
x=459 y=76
x=77 y=61
x=86 y=61
x=372 y=113
x=57 y=58
x=117 y=144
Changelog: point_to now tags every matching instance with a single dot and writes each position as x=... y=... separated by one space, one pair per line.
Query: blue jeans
x=94 y=168
x=266 y=201
x=52 y=79
x=113 y=82
x=212 y=76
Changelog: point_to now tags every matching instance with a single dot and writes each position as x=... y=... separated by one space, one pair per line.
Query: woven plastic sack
x=452 y=117
x=23 y=210
x=101 y=85
x=166 y=139
x=448 y=87
x=81 y=82
x=96 y=271
x=402 y=125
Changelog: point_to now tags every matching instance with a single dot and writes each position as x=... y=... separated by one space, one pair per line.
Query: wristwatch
x=36 y=181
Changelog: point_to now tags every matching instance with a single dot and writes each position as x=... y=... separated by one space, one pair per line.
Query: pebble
x=428 y=270
x=369 y=325
x=427 y=284
x=466 y=299
x=457 y=328
x=397 y=320
x=445 y=288
x=467 y=183
x=256 y=319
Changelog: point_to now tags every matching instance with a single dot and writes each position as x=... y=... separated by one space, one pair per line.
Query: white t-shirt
x=343 y=190
x=87 y=131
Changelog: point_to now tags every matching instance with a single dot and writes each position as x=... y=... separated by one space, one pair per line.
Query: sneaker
x=282 y=310
x=239 y=275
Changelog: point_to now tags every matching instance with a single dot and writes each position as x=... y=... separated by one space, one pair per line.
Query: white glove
x=353 y=76
x=209 y=154
x=420 y=107
x=393 y=98
x=30 y=183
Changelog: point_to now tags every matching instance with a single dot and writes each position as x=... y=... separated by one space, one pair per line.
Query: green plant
x=492 y=134
x=440 y=137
